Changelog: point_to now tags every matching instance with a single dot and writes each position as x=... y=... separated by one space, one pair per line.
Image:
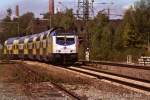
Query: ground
x=18 y=83
x=88 y=88
x=32 y=81
x=132 y=72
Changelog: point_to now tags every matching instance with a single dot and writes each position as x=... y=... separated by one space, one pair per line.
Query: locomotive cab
x=65 y=47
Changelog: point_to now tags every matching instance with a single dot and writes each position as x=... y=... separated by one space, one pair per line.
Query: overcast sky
x=41 y=6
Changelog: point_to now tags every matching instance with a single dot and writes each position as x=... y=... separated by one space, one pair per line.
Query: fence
x=144 y=60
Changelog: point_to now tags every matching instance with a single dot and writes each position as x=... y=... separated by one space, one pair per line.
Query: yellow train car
x=11 y=48
x=26 y=48
x=5 y=48
x=16 y=48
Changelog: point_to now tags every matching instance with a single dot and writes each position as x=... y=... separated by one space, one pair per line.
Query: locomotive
x=54 y=45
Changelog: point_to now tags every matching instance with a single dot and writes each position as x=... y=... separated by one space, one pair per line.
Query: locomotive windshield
x=60 y=40
x=70 y=41
x=65 y=40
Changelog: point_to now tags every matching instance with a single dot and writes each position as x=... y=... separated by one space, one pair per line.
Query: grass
x=24 y=74
x=36 y=74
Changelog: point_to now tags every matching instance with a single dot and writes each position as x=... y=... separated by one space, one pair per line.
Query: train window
x=30 y=45
x=38 y=45
x=25 y=46
x=30 y=40
x=45 y=36
x=16 y=46
x=60 y=40
x=70 y=41
x=34 y=46
x=13 y=46
x=4 y=47
x=44 y=43
x=38 y=39
x=41 y=44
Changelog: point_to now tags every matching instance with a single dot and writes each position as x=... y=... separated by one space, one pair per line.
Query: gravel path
x=17 y=83
x=10 y=91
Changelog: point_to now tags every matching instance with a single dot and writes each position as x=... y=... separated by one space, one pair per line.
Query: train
x=54 y=45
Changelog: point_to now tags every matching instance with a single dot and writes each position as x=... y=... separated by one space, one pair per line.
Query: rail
x=72 y=95
x=128 y=81
x=60 y=87
x=116 y=64
x=141 y=84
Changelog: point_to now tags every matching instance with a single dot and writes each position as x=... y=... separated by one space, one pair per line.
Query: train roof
x=61 y=31
x=21 y=39
x=11 y=40
x=52 y=31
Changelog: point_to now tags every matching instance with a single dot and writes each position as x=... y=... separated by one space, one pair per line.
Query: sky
x=41 y=6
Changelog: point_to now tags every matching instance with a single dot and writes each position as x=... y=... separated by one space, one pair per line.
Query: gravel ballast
x=88 y=88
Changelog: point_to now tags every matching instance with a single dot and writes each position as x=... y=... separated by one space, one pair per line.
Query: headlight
x=58 y=51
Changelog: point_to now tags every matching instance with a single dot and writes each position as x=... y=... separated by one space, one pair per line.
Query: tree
x=25 y=22
x=136 y=25
x=96 y=29
x=10 y=27
x=64 y=19
x=9 y=12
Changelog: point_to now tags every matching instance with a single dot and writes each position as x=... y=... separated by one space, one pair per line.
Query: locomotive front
x=65 y=47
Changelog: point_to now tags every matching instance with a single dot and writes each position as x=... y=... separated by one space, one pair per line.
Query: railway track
x=70 y=94
x=59 y=87
x=7 y=62
x=136 y=83
x=116 y=64
x=132 y=82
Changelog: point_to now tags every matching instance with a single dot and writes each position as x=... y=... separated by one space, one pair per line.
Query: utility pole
x=85 y=11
